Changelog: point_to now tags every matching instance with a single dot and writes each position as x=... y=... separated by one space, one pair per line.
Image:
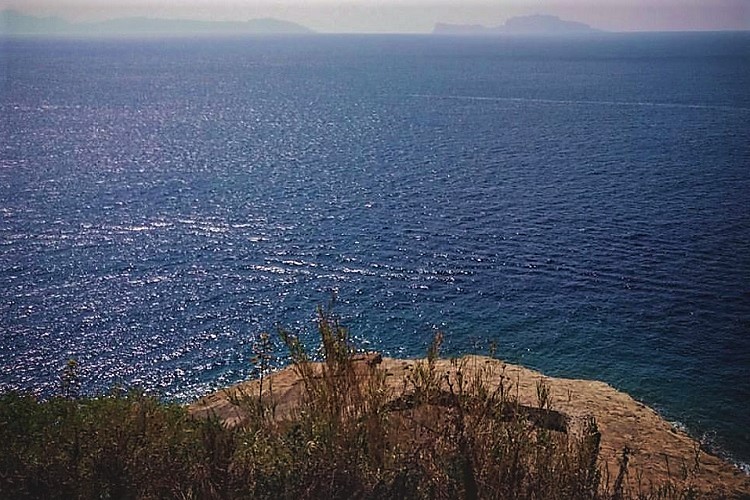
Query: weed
x=458 y=433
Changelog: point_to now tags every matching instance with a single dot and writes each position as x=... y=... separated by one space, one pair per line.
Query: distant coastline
x=16 y=23
x=538 y=24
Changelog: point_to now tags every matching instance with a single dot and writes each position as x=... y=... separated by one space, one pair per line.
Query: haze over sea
x=583 y=202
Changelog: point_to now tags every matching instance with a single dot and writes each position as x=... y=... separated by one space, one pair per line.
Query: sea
x=582 y=203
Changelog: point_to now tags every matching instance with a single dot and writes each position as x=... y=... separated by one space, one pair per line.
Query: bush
x=442 y=435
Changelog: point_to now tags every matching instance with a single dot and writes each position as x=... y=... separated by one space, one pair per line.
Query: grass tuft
x=444 y=435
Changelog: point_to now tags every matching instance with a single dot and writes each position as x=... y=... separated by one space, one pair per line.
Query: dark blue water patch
x=582 y=203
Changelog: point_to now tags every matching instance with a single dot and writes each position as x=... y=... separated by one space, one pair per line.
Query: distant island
x=523 y=25
x=16 y=23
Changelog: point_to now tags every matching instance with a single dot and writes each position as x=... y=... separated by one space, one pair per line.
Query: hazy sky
x=414 y=15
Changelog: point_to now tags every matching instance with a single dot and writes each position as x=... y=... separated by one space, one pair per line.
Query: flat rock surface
x=659 y=452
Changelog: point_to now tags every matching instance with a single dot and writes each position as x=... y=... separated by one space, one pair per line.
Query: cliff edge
x=658 y=453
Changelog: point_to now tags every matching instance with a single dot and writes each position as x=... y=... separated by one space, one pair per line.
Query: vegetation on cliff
x=442 y=436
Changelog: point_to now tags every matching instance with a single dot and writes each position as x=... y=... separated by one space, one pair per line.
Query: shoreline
x=659 y=451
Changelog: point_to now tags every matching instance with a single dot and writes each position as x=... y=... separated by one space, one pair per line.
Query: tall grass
x=352 y=435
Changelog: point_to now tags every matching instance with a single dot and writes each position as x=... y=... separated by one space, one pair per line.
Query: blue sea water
x=583 y=202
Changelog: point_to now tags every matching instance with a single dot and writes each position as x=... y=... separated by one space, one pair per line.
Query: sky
x=413 y=16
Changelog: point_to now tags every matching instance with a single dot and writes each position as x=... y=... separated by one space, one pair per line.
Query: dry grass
x=444 y=435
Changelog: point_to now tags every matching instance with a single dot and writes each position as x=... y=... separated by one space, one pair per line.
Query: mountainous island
x=16 y=23
x=523 y=25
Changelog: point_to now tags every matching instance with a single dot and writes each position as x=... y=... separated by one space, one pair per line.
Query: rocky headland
x=656 y=451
